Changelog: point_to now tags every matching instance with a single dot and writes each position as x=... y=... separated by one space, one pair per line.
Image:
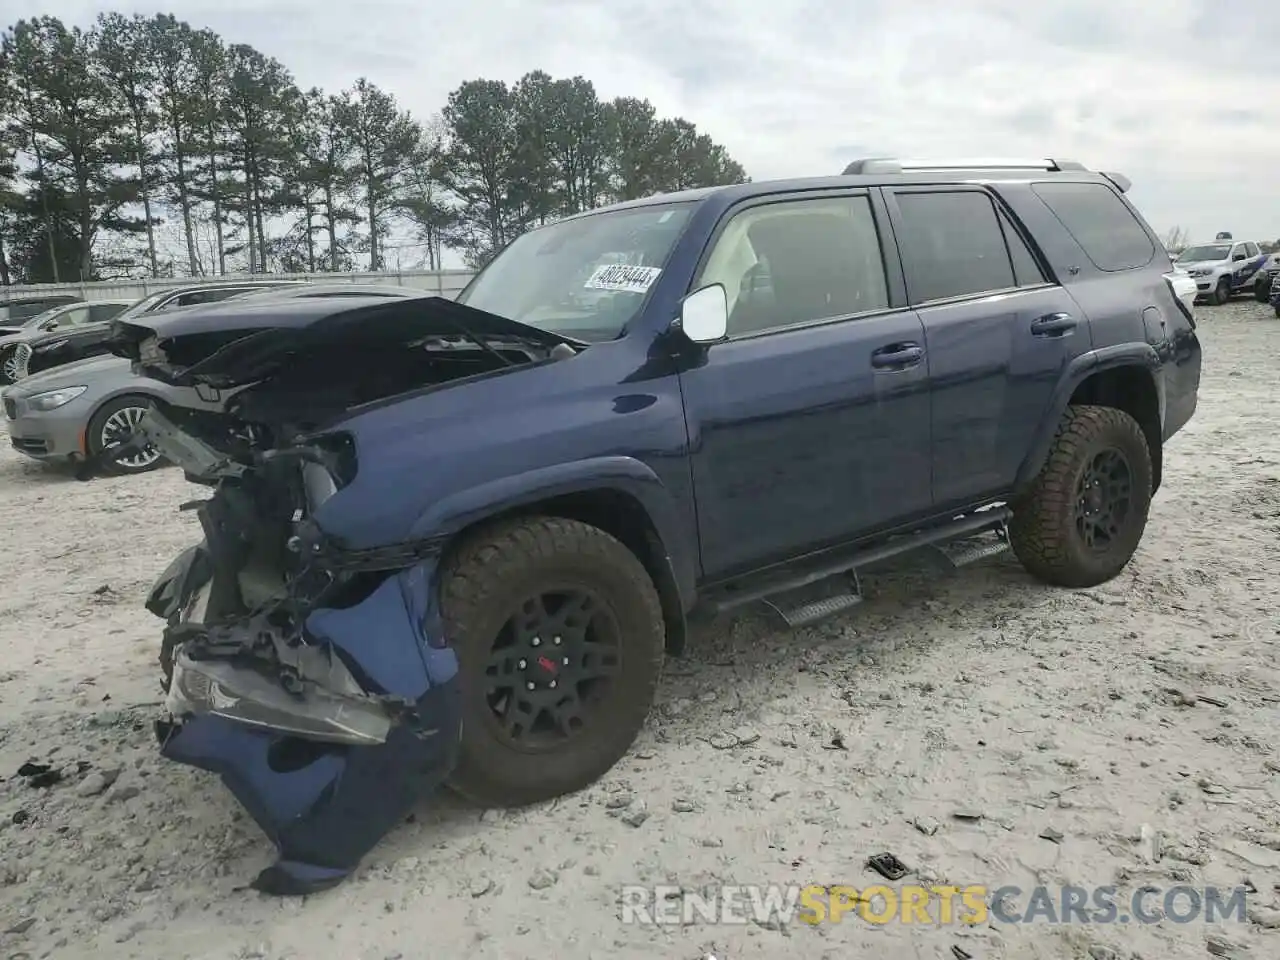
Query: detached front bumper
x=309 y=759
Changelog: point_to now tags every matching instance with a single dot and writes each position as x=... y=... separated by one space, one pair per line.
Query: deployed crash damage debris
x=310 y=674
x=253 y=672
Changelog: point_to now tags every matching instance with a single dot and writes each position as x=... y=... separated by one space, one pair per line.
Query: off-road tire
x=1222 y=292
x=1043 y=531
x=93 y=434
x=483 y=584
x=1262 y=290
x=1278 y=310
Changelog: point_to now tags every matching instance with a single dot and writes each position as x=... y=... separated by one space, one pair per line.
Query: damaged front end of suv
x=310 y=673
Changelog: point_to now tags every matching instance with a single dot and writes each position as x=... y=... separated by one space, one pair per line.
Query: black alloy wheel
x=1103 y=499
x=551 y=667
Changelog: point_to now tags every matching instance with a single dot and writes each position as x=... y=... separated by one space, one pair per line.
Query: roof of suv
x=882 y=171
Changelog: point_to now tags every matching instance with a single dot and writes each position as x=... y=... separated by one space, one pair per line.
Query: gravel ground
x=771 y=757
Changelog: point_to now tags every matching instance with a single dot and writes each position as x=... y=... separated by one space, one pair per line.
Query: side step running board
x=958 y=541
x=961 y=553
x=815 y=610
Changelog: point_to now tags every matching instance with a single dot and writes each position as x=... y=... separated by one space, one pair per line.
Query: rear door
x=999 y=334
x=810 y=423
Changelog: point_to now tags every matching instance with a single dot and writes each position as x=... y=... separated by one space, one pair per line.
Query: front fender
x=619 y=473
x=1079 y=370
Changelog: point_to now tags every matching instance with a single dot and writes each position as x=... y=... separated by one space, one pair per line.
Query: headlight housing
x=53 y=399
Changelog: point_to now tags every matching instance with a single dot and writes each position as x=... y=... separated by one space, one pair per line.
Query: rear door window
x=1111 y=236
x=953 y=245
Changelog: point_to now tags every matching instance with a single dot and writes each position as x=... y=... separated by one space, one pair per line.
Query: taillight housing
x=1181 y=304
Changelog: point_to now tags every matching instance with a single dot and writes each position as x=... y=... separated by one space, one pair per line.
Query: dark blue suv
x=453 y=542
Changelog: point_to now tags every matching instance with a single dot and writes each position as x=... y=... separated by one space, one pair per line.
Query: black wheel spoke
x=502 y=667
x=572 y=618
x=518 y=717
x=600 y=660
x=532 y=618
x=567 y=716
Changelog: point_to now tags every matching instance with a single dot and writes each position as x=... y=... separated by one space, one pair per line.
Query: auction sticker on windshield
x=623 y=277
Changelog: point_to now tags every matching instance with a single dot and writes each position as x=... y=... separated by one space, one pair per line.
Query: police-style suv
x=1225 y=267
x=454 y=541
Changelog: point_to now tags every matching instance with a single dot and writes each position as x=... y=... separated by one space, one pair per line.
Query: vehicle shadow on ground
x=34 y=472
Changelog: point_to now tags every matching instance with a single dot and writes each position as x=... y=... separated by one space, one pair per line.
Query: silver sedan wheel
x=12 y=369
x=118 y=427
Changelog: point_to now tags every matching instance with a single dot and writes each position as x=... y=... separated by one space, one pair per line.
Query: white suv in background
x=1224 y=267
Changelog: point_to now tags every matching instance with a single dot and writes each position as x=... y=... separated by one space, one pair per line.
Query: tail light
x=1183 y=308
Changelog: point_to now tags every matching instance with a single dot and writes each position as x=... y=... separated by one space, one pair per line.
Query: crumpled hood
x=1198 y=264
x=228 y=345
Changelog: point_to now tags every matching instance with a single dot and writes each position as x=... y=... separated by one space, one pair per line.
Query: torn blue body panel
x=326 y=805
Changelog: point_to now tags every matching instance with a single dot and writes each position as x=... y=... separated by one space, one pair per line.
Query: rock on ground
x=979 y=703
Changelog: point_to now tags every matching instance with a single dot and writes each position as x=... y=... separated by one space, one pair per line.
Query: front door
x=810 y=423
x=999 y=334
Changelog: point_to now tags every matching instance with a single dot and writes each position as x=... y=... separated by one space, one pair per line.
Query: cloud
x=1178 y=96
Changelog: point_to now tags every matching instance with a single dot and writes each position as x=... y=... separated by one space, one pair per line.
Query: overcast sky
x=1182 y=96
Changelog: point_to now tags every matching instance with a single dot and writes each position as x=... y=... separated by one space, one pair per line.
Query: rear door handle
x=1053 y=325
x=897 y=356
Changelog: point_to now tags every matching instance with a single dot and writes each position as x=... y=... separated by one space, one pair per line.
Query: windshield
x=1210 y=251
x=141 y=306
x=584 y=278
x=49 y=314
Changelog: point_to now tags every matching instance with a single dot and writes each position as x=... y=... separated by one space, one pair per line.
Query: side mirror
x=1238 y=257
x=704 y=315
x=49 y=325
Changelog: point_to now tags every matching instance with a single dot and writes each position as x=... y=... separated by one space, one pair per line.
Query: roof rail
x=883 y=165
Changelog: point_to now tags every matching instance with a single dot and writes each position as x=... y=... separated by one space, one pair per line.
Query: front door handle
x=1053 y=325
x=897 y=356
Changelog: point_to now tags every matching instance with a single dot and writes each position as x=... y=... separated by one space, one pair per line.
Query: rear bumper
x=324 y=804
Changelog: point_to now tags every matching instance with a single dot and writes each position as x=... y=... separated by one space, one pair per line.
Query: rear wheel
x=113 y=423
x=1222 y=292
x=1084 y=516
x=1262 y=290
x=560 y=639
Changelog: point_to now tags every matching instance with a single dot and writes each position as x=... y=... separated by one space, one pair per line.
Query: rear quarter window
x=1111 y=236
